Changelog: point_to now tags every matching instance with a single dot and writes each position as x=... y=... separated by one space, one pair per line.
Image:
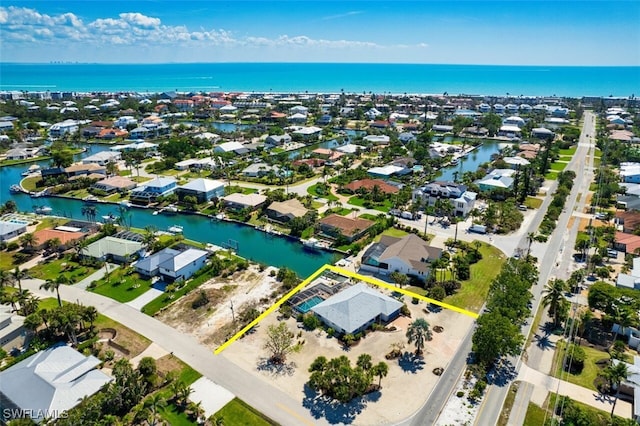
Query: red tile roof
x=346 y=225
x=370 y=183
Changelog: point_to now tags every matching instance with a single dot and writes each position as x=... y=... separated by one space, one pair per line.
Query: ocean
x=325 y=78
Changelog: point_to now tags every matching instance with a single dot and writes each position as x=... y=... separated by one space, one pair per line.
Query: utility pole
x=233 y=315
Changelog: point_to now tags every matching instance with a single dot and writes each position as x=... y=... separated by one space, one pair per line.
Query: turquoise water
x=325 y=77
x=306 y=306
x=480 y=155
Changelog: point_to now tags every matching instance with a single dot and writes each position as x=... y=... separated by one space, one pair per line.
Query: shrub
x=311 y=322
x=460 y=394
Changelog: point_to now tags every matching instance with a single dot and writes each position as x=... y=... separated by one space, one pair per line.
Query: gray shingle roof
x=355 y=306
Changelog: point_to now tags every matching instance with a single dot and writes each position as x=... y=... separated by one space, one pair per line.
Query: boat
x=110 y=218
x=90 y=199
x=175 y=229
x=15 y=189
x=38 y=194
x=314 y=244
x=125 y=203
x=170 y=209
x=43 y=210
x=35 y=168
x=454 y=162
x=220 y=216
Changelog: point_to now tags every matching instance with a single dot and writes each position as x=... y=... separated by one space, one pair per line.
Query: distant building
x=10 y=230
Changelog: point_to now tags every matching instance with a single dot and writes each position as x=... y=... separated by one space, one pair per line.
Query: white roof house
x=117 y=248
x=514 y=121
x=385 y=171
x=355 y=308
x=228 y=147
x=51 y=381
x=516 y=162
x=101 y=158
x=240 y=201
x=377 y=139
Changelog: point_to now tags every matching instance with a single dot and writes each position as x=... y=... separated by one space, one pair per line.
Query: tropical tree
x=364 y=362
x=496 y=336
x=90 y=212
x=553 y=298
x=616 y=372
x=153 y=403
x=6 y=278
x=28 y=242
x=54 y=285
x=399 y=278
x=279 y=342
x=18 y=275
x=418 y=333
x=381 y=370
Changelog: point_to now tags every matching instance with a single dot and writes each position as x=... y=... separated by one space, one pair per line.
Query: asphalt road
x=552 y=256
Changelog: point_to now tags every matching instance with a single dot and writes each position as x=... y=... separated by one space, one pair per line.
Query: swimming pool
x=306 y=306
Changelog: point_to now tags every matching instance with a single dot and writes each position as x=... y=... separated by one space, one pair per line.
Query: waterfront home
x=239 y=201
x=50 y=382
x=110 y=134
x=136 y=146
x=308 y=132
x=13 y=334
x=514 y=121
x=6 y=126
x=148 y=191
x=64 y=234
x=355 y=308
x=475 y=131
x=183 y=265
x=497 y=179
x=140 y=133
x=352 y=229
x=202 y=189
x=409 y=255
x=150 y=266
x=10 y=230
x=510 y=131
x=286 y=211
x=349 y=148
x=124 y=121
x=114 y=249
x=17 y=154
x=277 y=140
x=516 y=162
x=369 y=184
x=85 y=170
x=102 y=158
x=463 y=201
x=115 y=184
x=442 y=128
x=324 y=120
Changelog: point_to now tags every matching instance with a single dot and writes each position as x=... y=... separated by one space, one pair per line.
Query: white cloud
x=19 y=25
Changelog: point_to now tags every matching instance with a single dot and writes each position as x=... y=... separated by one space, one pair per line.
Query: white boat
x=454 y=162
x=15 y=189
x=43 y=210
x=38 y=194
x=110 y=218
x=170 y=209
x=314 y=244
x=125 y=203
x=175 y=229
x=90 y=199
x=220 y=216
x=31 y=170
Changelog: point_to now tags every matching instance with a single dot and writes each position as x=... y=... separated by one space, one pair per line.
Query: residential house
x=406 y=137
x=514 y=121
x=630 y=172
x=229 y=147
x=102 y=158
x=183 y=265
x=308 y=132
x=355 y=308
x=409 y=255
x=631 y=384
x=516 y=162
x=65 y=235
x=626 y=243
x=113 y=248
x=277 y=140
x=50 y=382
x=239 y=201
x=377 y=139
x=13 y=335
x=369 y=184
x=630 y=221
x=17 y=154
x=85 y=170
x=110 y=134
x=257 y=170
x=497 y=179
x=442 y=128
x=287 y=210
x=509 y=131
x=542 y=133
x=632 y=279
x=115 y=184
x=10 y=230
x=65 y=127
x=463 y=201
x=148 y=191
x=387 y=171
x=352 y=229
x=124 y=121
x=202 y=189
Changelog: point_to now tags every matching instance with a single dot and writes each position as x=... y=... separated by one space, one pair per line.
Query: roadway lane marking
x=344 y=272
x=294 y=414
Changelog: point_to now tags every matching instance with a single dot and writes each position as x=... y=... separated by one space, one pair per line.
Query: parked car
x=601 y=216
x=479 y=229
x=612 y=253
x=522 y=208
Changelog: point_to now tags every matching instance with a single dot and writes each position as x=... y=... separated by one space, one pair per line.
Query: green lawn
x=590 y=371
x=313 y=191
x=535 y=415
x=122 y=285
x=533 y=203
x=52 y=269
x=26 y=161
x=50 y=222
x=565 y=158
x=474 y=291
x=552 y=175
x=48 y=303
x=392 y=232
x=569 y=151
x=6 y=261
x=596 y=162
x=30 y=183
x=385 y=206
x=237 y=412
x=558 y=166
x=343 y=211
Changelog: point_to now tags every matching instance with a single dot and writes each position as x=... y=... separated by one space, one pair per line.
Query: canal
x=481 y=154
x=248 y=242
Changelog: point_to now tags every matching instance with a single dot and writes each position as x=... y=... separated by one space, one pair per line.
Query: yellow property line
x=347 y=273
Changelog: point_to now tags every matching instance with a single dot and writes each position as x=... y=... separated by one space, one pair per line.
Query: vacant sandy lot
x=404 y=390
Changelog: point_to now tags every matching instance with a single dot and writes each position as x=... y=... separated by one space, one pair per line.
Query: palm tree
x=554 y=298
x=6 y=278
x=28 y=242
x=153 y=403
x=54 y=285
x=381 y=370
x=418 y=333
x=89 y=212
x=364 y=362
x=530 y=237
x=18 y=275
x=616 y=373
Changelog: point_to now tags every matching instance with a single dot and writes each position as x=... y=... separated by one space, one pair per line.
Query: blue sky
x=542 y=32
